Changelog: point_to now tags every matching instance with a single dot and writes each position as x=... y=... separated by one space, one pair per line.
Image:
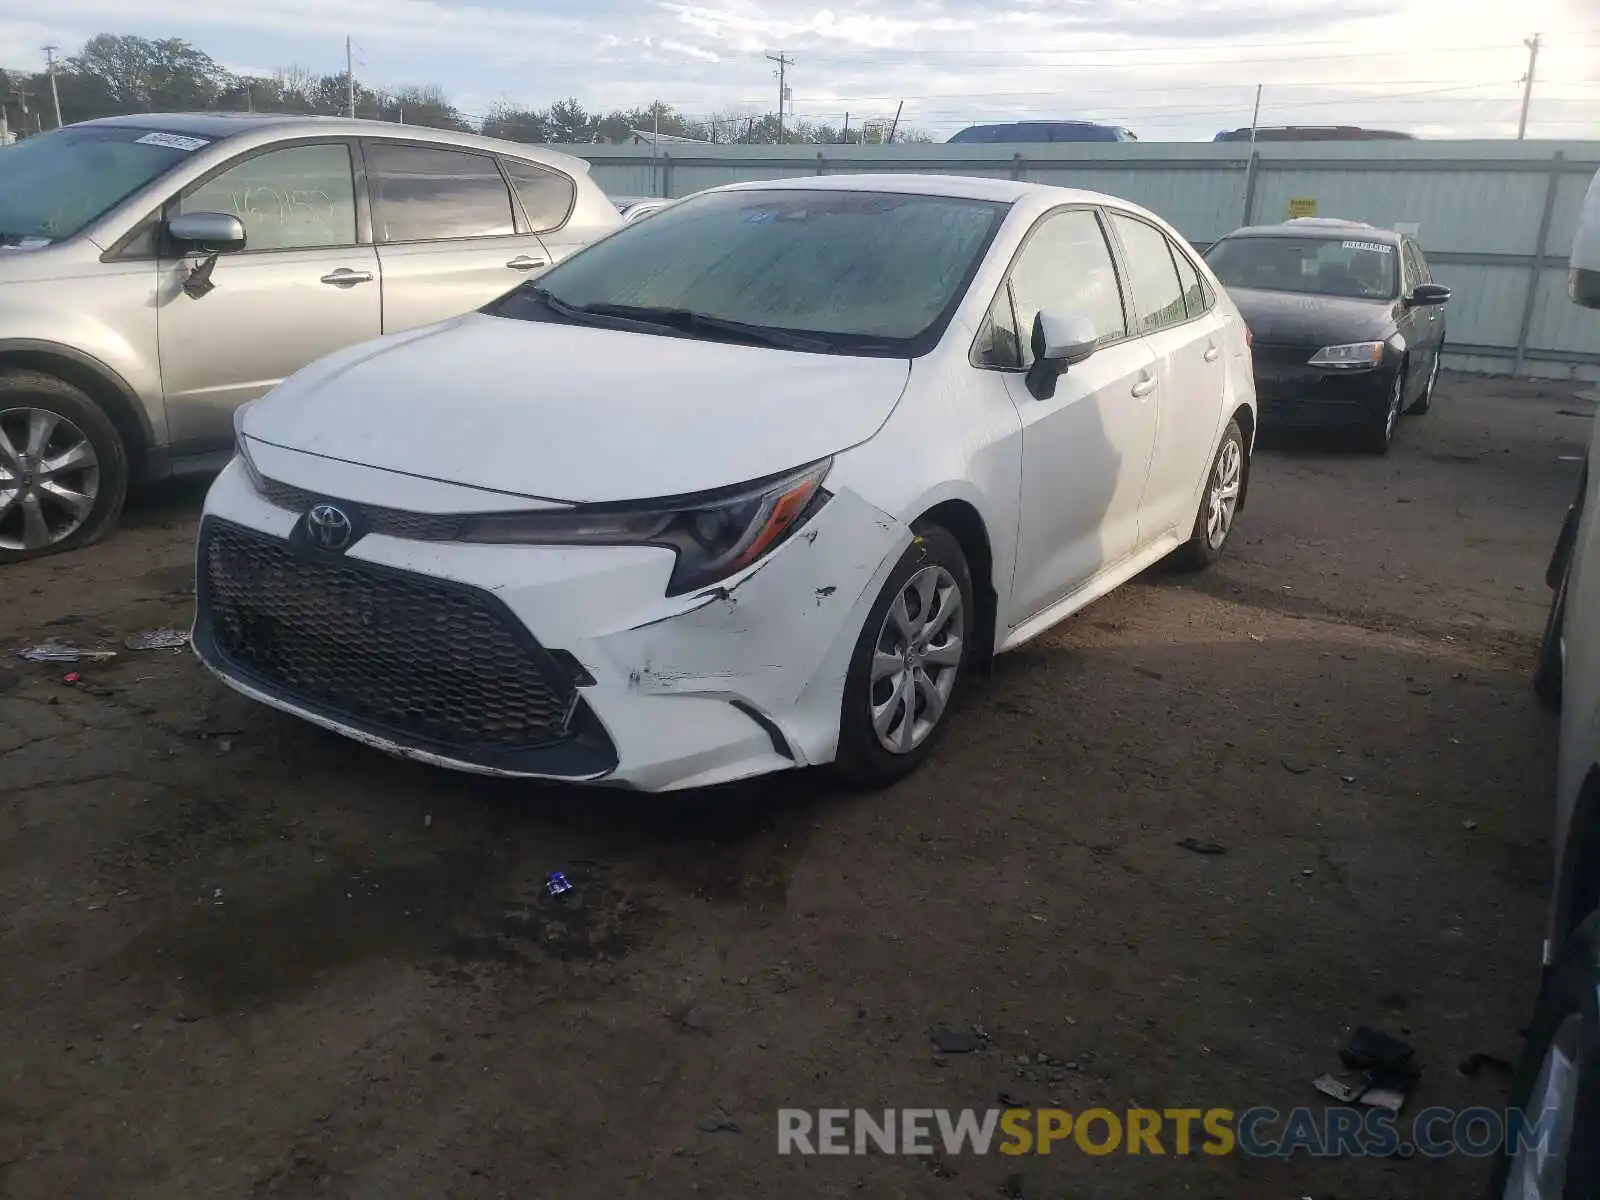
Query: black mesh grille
x=396 y=522
x=397 y=653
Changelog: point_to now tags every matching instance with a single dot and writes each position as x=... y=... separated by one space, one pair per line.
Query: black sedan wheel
x=1381 y=436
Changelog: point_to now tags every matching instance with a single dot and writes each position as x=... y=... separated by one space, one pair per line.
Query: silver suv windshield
x=53 y=185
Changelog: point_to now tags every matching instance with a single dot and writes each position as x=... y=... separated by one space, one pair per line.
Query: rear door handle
x=1144 y=387
x=345 y=277
x=1212 y=353
x=523 y=263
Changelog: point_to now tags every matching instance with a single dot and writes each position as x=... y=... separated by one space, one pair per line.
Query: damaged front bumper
x=665 y=693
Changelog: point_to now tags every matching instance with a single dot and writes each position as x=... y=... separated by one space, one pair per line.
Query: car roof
x=1323 y=227
x=220 y=126
x=964 y=187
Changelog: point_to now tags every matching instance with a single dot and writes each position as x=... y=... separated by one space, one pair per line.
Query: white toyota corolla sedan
x=748 y=486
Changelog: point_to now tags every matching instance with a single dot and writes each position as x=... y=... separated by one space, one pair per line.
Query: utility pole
x=50 y=65
x=21 y=93
x=349 y=78
x=846 y=134
x=1527 y=84
x=1255 y=116
x=784 y=63
x=898 y=108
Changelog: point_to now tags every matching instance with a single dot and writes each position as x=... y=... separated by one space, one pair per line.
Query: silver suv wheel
x=49 y=478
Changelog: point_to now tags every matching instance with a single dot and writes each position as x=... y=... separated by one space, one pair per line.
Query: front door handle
x=1144 y=387
x=345 y=277
x=1212 y=353
x=523 y=263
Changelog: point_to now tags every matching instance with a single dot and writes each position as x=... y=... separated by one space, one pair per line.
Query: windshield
x=1353 y=267
x=54 y=184
x=857 y=272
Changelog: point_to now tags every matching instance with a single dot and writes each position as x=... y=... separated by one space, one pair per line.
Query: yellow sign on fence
x=1302 y=206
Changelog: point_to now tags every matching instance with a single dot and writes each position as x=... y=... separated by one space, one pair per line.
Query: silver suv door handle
x=1144 y=387
x=1211 y=353
x=523 y=263
x=345 y=277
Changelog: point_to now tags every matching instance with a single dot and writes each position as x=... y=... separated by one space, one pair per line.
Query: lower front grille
x=421 y=660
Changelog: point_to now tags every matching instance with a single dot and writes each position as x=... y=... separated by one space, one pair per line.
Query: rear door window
x=428 y=193
x=1151 y=274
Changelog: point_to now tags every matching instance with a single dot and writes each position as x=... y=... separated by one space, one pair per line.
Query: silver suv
x=156 y=272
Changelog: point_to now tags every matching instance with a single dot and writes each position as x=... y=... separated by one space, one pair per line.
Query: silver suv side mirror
x=208 y=232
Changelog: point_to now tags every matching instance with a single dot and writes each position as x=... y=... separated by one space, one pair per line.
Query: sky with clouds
x=1164 y=68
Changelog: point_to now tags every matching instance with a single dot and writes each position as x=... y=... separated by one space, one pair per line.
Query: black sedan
x=1347 y=322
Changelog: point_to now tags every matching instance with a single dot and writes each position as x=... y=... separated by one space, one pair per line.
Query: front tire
x=1559 y=1072
x=909 y=663
x=63 y=467
x=1425 y=401
x=1218 y=505
x=1381 y=435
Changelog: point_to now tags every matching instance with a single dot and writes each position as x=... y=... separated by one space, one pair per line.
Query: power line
x=784 y=63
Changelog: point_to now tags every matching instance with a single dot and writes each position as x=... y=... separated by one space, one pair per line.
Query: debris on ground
x=717 y=1125
x=1206 y=848
x=1476 y=1061
x=1469 y=824
x=955 y=1041
x=1387 y=1072
x=1295 y=767
x=158 y=639
x=557 y=884
x=63 y=652
x=71 y=677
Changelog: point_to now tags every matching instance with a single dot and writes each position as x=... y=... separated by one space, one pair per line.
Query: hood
x=1292 y=319
x=574 y=413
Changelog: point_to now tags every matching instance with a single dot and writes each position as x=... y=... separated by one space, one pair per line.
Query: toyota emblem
x=329 y=528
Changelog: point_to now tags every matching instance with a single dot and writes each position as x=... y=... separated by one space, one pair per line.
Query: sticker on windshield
x=1374 y=247
x=759 y=216
x=174 y=141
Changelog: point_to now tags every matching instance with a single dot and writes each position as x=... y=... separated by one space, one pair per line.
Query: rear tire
x=884 y=734
x=1547 y=676
x=1564 y=1032
x=1206 y=540
x=63 y=467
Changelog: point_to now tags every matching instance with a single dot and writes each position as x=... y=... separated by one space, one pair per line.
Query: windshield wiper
x=688 y=321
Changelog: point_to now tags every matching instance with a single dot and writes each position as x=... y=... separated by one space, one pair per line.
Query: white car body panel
x=604 y=411
x=1074 y=494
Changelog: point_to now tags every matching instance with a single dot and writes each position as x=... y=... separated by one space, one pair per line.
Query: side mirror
x=1059 y=342
x=1428 y=293
x=208 y=232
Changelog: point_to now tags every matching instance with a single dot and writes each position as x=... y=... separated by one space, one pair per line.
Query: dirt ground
x=244 y=958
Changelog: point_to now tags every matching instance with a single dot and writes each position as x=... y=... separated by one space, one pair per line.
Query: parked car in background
x=1311 y=133
x=1044 y=131
x=747 y=486
x=1348 y=324
x=634 y=208
x=157 y=271
x=1559 y=1069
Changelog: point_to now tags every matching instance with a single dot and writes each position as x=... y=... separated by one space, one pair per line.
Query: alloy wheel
x=915 y=660
x=1396 y=399
x=1223 y=495
x=49 y=478
x=1539 y=1172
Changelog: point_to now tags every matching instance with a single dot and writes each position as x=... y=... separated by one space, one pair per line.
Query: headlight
x=241 y=448
x=714 y=535
x=1357 y=356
